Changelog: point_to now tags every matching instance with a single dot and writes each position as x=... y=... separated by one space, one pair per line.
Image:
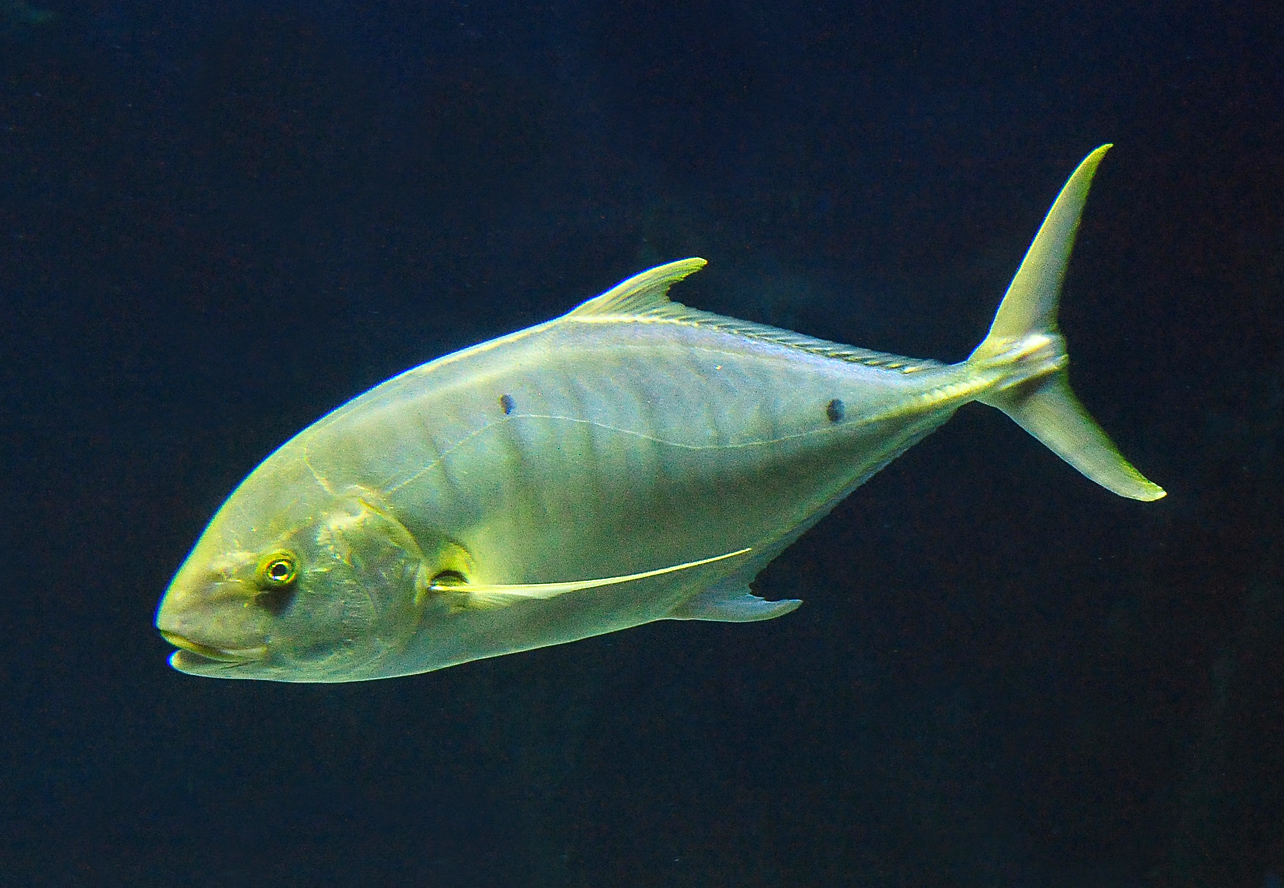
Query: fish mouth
x=193 y=653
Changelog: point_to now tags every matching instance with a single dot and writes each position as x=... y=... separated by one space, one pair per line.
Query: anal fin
x=732 y=602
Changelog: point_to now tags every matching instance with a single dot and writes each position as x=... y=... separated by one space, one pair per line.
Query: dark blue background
x=219 y=220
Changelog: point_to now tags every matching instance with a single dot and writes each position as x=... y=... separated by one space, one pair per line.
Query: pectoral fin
x=732 y=602
x=479 y=597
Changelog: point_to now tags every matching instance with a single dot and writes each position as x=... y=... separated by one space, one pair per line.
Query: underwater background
x=218 y=220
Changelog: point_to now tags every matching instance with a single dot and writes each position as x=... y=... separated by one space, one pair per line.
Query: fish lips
x=192 y=656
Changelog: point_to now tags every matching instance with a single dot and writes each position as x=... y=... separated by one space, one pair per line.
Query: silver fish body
x=631 y=461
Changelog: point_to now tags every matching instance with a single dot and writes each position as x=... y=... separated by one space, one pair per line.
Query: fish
x=633 y=460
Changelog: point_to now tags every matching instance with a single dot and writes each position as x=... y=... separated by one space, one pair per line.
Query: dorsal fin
x=642 y=294
x=645 y=297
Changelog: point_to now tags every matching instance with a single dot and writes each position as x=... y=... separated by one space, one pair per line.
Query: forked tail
x=1025 y=345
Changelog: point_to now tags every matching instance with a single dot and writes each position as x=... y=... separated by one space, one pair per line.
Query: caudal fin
x=1025 y=344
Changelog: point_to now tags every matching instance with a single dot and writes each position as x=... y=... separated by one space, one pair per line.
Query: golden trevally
x=631 y=461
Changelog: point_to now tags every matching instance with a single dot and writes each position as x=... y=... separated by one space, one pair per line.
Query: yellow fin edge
x=488 y=596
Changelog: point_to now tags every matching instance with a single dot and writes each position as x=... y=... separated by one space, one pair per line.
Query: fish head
x=294 y=580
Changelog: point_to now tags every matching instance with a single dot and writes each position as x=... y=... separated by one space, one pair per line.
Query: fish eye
x=278 y=570
x=277 y=574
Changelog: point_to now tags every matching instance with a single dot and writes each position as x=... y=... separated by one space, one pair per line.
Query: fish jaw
x=194 y=658
x=212 y=620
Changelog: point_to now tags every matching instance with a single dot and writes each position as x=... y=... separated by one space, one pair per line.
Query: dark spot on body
x=834 y=410
x=507 y=402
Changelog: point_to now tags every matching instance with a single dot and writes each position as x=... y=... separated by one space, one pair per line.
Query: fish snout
x=216 y=620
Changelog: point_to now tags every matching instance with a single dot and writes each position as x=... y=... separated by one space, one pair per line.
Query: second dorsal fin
x=645 y=297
